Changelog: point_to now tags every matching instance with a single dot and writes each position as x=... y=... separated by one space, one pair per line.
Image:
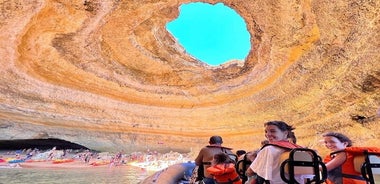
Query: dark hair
x=283 y=127
x=340 y=137
x=222 y=158
x=293 y=138
x=240 y=152
x=264 y=142
x=216 y=139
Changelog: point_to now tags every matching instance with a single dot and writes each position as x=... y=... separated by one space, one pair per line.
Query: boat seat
x=371 y=167
x=242 y=166
x=302 y=163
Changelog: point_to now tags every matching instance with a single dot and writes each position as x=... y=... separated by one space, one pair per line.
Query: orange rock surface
x=109 y=76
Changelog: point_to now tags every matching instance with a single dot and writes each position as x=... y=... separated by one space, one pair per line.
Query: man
x=206 y=155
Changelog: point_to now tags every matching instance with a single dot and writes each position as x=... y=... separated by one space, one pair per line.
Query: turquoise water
x=125 y=174
x=147 y=163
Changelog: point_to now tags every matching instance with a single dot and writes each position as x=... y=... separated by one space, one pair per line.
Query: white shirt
x=267 y=164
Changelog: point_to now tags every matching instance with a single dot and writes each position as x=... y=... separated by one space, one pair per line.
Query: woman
x=266 y=166
x=223 y=170
x=339 y=163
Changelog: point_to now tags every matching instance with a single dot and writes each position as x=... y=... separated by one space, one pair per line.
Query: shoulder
x=270 y=150
x=273 y=148
x=204 y=148
x=335 y=160
x=283 y=144
x=203 y=151
x=218 y=147
x=229 y=152
x=339 y=156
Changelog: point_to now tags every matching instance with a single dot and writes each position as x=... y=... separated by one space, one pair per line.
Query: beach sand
x=147 y=160
x=50 y=164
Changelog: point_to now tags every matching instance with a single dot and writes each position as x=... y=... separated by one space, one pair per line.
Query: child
x=339 y=162
x=223 y=169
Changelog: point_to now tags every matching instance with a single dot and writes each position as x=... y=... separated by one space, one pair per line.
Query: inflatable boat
x=174 y=174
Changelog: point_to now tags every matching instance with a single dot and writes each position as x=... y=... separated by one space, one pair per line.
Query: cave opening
x=41 y=144
x=214 y=34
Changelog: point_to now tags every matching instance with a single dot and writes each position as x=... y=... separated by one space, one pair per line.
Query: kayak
x=16 y=161
x=60 y=161
x=99 y=163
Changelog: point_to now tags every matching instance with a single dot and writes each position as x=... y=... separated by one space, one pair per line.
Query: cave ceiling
x=109 y=76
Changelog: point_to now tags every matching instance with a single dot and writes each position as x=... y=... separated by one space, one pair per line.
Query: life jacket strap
x=356 y=177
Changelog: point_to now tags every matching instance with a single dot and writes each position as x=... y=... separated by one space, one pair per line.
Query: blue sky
x=213 y=34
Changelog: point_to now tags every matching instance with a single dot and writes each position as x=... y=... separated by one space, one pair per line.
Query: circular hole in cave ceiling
x=214 y=34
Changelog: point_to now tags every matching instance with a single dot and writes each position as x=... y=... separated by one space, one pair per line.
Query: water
x=119 y=175
x=141 y=166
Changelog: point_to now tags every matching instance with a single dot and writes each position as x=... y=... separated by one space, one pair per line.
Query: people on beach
x=117 y=159
x=206 y=155
x=87 y=156
x=266 y=166
x=150 y=160
x=223 y=169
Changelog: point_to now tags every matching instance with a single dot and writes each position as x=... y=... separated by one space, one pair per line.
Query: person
x=266 y=166
x=240 y=153
x=264 y=142
x=206 y=155
x=338 y=162
x=243 y=163
x=223 y=169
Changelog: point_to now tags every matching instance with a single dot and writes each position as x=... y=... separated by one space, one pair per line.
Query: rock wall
x=109 y=76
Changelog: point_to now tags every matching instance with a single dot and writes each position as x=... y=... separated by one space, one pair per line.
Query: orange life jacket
x=346 y=173
x=283 y=144
x=225 y=174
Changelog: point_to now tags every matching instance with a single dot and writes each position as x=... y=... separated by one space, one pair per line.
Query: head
x=336 y=141
x=240 y=152
x=222 y=158
x=216 y=139
x=264 y=142
x=278 y=131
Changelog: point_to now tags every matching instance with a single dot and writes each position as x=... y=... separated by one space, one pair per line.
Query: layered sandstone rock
x=109 y=76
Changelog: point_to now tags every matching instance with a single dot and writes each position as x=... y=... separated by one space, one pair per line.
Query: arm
x=338 y=160
x=249 y=172
x=199 y=159
x=252 y=176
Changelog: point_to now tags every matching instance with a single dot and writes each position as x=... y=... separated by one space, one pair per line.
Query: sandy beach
x=69 y=163
x=53 y=158
x=50 y=164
